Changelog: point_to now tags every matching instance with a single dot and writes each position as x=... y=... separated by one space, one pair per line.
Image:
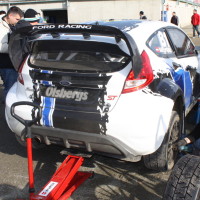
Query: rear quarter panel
x=140 y=119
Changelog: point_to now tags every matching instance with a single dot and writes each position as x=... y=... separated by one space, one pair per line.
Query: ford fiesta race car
x=119 y=88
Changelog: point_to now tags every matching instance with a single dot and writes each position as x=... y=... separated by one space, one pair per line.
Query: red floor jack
x=65 y=180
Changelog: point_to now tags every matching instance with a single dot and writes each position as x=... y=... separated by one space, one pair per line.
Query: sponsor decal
x=50 y=186
x=77 y=95
x=111 y=97
x=62 y=26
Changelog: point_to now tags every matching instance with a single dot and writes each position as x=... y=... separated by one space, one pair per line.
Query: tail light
x=20 y=77
x=144 y=78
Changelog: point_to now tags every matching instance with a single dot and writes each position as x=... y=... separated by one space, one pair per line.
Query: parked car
x=184 y=181
x=118 y=88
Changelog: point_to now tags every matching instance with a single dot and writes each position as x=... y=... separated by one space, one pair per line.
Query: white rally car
x=117 y=88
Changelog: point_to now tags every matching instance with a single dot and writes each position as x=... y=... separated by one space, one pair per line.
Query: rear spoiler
x=85 y=29
x=78 y=28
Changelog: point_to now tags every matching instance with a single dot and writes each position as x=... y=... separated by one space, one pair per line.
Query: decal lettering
x=44 y=27
x=75 y=26
x=61 y=92
x=57 y=93
x=85 y=96
x=49 y=92
x=51 y=185
x=111 y=97
x=66 y=94
x=63 y=26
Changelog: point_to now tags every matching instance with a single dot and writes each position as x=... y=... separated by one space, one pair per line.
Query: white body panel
x=142 y=128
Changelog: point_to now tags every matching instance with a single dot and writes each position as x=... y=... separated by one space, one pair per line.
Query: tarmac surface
x=113 y=179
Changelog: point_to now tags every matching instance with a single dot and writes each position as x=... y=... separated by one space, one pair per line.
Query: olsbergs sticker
x=77 y=95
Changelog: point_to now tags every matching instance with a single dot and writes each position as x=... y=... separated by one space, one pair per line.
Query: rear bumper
x=90 y=142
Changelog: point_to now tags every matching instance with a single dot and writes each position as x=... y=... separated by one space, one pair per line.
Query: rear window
x=78 y=56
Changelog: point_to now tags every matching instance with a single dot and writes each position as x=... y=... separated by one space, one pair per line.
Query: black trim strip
x=74 y=78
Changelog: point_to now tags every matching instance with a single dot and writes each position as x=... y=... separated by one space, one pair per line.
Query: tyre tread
x=184 y=179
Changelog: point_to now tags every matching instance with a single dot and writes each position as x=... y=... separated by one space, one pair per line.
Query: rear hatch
x=78 y=77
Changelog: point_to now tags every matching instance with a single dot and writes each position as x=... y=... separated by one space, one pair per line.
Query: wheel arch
x=168 y=88
x=159 y=160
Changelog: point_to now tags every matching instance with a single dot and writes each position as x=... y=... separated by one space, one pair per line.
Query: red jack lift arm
x=65 y=180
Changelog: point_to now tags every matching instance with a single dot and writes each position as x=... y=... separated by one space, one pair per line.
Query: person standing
x=174 y=19
x=195 y=20
x=142 y=16
x=18 y=46
x=7 y=72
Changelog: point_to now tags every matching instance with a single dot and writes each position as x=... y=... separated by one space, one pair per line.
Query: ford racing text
x=62 y=26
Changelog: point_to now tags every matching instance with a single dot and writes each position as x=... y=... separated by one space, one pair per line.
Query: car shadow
x=113 y=179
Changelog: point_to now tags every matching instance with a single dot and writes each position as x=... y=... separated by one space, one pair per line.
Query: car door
x=186 y=61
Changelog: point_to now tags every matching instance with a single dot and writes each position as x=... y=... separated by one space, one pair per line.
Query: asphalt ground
x=113 y=179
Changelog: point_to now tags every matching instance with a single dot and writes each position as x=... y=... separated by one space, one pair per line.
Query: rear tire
x=165 y=157
x=184 y=181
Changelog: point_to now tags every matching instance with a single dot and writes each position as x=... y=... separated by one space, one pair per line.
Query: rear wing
x=78 y=28
x=86 y=30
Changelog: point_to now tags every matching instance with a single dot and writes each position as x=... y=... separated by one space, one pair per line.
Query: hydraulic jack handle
x=28 y=124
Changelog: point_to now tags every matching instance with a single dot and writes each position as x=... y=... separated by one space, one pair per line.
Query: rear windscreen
x=78 y=56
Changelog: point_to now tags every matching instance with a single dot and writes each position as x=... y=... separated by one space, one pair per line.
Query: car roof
x=144 y=27
x=139 y=30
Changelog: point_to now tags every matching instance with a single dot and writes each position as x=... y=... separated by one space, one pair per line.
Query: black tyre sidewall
x=170 y=162
x=160 y=160
x=184 y=181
